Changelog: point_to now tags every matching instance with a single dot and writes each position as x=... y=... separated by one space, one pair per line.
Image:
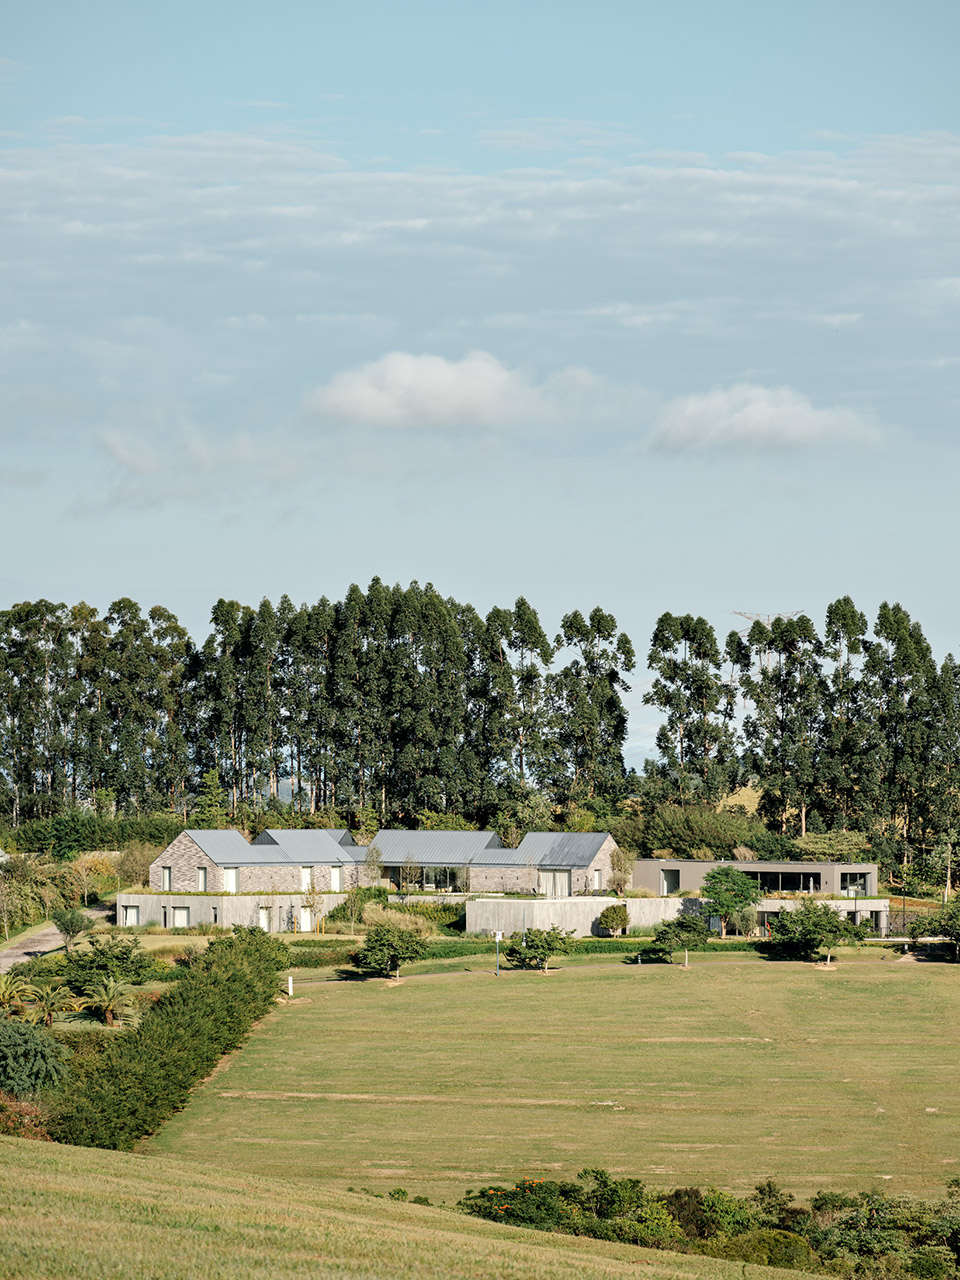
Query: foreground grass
x=73 y=1214
x=723 y=1073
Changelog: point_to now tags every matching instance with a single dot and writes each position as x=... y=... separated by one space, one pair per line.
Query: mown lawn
x=724 y=1073
x=73 y=1214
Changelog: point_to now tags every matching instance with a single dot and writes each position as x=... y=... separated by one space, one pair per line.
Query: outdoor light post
x=497 y=936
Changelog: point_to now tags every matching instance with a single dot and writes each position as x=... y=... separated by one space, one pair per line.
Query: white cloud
x=748 y=416
x=405 y=390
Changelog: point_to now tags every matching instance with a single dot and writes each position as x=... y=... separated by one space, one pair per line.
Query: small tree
x=799 y=935
x=614 y=918
x=50 y=1000
x=944 y=923
x=411 y=876
x=684 y=932
x=621 y=869
x=540 y=945
x=387 y=947
x=71 y=922
x=729 y=891
x=373 y=866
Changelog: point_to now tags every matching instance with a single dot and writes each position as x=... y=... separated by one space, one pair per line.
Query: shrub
x=133 y=867
x=357 y=898
x=21 y=1119
x=614 y=918
x=387 y=948
x=539 y=946
x=683 y=932
x=143 y=1077
x=30 y=1060
x=118 y=958
x=70 y=834
x=767 y=1247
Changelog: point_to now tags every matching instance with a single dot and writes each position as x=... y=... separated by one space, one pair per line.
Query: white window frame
x=306 y=879
x=598 y=879
x=184 y=921
x=166 y=879
x=231 y=879
x=131 y=916
x=201 y=879
x=336 y=879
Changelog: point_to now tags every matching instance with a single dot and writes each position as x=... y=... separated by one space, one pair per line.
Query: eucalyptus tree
x=785 y=685
x=589 y=721
x=847 y=773
x=696 y=741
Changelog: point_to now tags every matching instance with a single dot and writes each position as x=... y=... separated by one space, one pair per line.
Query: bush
x=21 y=1119
x=118 y=958
x=134 y=865
x=357 y=898
x=540 y=945
x=387 y=948
x=375 y=914
x=614 y=918
x=70 y=834
x=768 y=1248
x=30 y=1060
x=684 y=932
x=143 y=1077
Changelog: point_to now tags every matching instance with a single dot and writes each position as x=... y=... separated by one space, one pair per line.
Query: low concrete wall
x=510 y=915
x=230 y=908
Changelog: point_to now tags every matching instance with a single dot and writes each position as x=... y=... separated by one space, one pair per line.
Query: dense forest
x=400 y=706
x=391 y=701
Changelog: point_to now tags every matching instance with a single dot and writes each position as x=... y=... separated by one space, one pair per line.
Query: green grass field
x=73 y=1214
x=725 y=1073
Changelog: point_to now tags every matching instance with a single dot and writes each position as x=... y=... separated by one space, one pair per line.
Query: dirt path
x=44 y=940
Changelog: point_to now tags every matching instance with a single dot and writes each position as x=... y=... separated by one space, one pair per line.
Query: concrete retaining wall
x=510 y=915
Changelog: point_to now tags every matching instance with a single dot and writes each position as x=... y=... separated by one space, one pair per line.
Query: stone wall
x=183 y=856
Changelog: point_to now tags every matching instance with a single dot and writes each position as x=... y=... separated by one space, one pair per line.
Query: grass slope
x=73 y=1214
x=721 y=1074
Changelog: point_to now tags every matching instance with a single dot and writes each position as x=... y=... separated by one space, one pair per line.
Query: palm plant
x=15 y=992
x=113 y=999
x=49 y=1000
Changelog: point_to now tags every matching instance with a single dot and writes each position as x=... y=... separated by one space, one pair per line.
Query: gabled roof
x=225 y=848
x=439 y=848
x=560 y=848
x=306 y=848
x=340 y=834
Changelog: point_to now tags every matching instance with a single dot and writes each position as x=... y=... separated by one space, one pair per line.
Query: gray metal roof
x=225 y=848
x=441 y=848
x=305 y=848
x=560 y=848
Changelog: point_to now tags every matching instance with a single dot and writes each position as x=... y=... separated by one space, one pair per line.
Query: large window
x=131 y=915
x=336 y=879
x=555 y=884
x=305 y=879
x=853 y=883
x=181 y=917
x=229 y=879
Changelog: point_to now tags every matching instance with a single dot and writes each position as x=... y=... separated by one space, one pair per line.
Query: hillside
x=74 y=1214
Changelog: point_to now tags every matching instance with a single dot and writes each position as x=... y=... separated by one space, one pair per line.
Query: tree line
x=389 y=702
x=845 y=729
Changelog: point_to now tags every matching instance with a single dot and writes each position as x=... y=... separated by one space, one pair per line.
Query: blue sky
x=651 y=306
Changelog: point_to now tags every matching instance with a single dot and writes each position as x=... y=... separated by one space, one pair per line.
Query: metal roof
x=560 y=848
x=341 y=835
x=441 y=848
x=304 y=848
x=225 y=848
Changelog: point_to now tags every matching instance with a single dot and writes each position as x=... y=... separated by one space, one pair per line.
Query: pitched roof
x=225 y=848
x=340 y=834
x=304 y=848
x=560 y=848
x=439 y=848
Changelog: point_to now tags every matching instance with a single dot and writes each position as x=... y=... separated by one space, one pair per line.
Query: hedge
x=143 y=1076
x=70 y=834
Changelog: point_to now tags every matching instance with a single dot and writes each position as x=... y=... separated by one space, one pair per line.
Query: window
x=669 y=882
x=201 y=879
x=131 y=915
x=164 y=913
x=181 y=917
x=215 y=913
x=598 y=879
x=166 y=879
x=853 y=883
x=229 y=879
x=305 y=920
x=305 y=879
x=336 y=879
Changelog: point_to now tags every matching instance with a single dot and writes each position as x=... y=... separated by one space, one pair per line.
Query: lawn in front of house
x=724 y=1073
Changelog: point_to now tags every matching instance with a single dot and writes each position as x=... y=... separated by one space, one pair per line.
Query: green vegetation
x=721 y=1074
x=799 y=935
x=730 y=894
x=30 y=1061
x=143 y=1077
x=102 y=1215
x=533 y=949
x=387 y=948
x=615 y=918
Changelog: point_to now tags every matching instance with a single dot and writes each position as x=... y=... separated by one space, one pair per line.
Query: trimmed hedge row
x=142 y=1077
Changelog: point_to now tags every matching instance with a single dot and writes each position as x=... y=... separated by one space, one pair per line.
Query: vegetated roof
x=560 y=848
x=441 y=848
x=304 y=848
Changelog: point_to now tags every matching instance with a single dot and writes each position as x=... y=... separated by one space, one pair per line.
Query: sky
x=650 y=306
